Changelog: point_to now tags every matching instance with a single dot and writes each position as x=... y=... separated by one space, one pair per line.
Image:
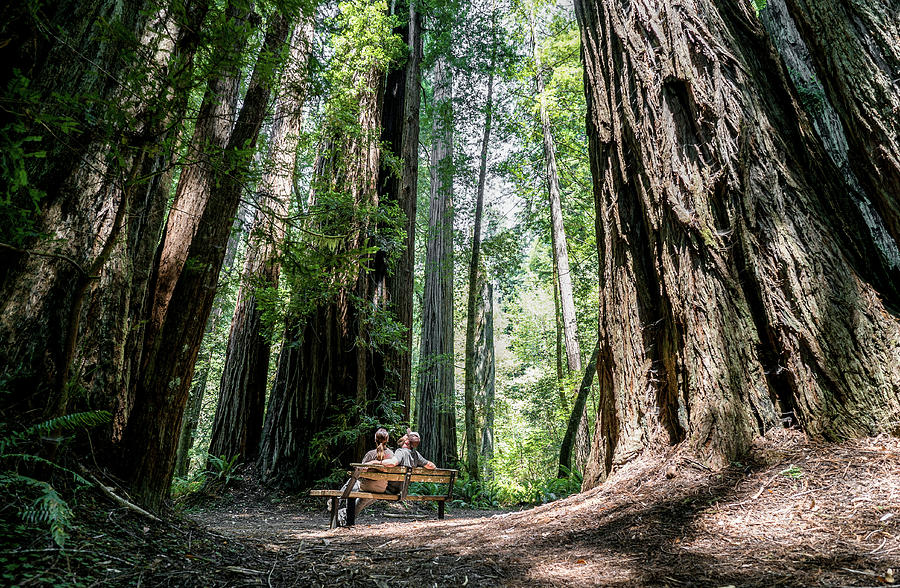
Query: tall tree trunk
x=321 y=385
x=561 y=259
x=435 y=394
x=855 y=46
x=392 y=281
x=731 y=259
x=475 y=280
x=180 y=312
x=484 y=372
x=92 y=180
x=191 y=418
x=237 y=426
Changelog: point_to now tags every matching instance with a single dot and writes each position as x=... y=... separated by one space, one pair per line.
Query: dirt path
x=797 y=514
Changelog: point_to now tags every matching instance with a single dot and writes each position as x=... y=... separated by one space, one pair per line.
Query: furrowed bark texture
x=321 y=384
x=731 y=288
x=825 y=120
x=475 y=281
x=392 y=280
x=99 y=205
x=435 y=395
x=484 y=373
x=174 y=338
x=855 y=45
x=237 y=426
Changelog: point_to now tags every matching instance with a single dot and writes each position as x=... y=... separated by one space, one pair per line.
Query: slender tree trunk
x=732 y=261
x=201 y=374
x=561 y=259
x=475 y=280
x=435 y=395
x=237 y=427
x=578 y=414
x=484 y=373
x=180 y=312
x=557 y=230
x=855 y=46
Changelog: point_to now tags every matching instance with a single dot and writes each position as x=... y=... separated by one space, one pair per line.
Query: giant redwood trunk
x=392 y=273
x=855 y=46
x=237 y=426
x=97 y=195
x=825 y=120
x=320 y=391
x=177 y=325
x=733 y=288
x=435 y=395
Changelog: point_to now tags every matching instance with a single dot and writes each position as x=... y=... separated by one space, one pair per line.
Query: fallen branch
x=118 y=499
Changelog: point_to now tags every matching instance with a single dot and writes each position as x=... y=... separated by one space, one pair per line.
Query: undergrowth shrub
x=36 y=501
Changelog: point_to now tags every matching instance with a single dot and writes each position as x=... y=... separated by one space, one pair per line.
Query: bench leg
x=351 y=512
x=334 y=512
x=441 y=509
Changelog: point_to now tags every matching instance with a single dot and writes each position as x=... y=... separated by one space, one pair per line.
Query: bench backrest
x=406 y=475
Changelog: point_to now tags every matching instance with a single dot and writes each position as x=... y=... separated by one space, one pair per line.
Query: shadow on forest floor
x=797 y=513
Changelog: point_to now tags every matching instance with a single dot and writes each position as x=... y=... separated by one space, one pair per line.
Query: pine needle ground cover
x=792 y=513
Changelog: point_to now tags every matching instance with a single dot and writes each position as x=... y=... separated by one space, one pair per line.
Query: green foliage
x=758 y=5
x=792 y=472
x=39 y=503
x=222 y=468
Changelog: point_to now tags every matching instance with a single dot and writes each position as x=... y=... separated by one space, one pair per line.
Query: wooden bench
x=403 y=474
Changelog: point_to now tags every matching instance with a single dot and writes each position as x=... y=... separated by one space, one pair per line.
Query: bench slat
x=379 y=496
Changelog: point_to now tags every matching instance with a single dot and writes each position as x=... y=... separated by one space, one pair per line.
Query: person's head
x=381 y=439
x=403 y=442
x=414 y=439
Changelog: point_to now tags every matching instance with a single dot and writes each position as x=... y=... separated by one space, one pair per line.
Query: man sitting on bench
x=407 y=454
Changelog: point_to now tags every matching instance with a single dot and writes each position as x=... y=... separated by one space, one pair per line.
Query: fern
x=49 y=508
x=69 y=422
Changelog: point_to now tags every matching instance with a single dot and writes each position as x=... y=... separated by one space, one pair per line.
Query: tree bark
x=191 y=418
x=435 y=394
x=180 y=312
x=237 y=426
x=855 y=46
x=392 y=277
x=827 y=123
x=91 y=179
x=475 y=280
x=484 y=373
x=732 y=261
x=320 y=392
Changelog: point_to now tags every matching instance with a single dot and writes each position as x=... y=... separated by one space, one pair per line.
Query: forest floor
x=793 y=513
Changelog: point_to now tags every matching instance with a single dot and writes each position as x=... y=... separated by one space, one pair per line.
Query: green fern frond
x=68 y=422
x=27 y=457
x=50 y=509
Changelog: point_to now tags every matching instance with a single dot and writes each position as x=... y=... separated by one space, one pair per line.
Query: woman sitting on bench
x=381 y=455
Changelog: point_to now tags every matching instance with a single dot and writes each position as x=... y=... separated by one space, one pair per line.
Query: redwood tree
x=238 y=422
x=180 y=311
x=734 y=289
